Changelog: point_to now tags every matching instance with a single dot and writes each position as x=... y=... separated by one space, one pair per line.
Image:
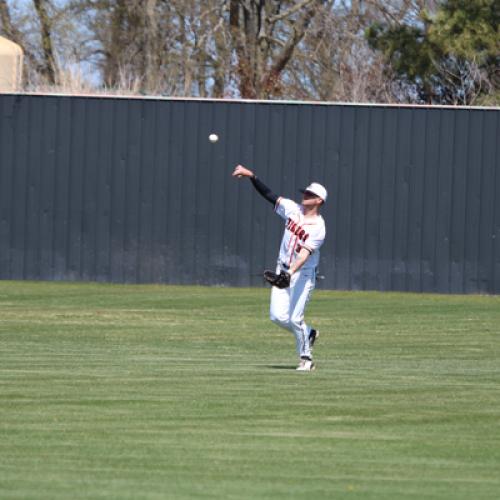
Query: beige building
x=11 y=65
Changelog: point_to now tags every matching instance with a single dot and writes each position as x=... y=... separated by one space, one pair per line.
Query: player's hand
x=241 y=171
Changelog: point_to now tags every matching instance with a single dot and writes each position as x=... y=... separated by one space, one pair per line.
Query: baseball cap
x=317 y=189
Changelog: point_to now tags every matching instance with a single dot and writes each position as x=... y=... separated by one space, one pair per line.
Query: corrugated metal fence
x=131 y=190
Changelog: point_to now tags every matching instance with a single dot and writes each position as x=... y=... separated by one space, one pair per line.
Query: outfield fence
x=131 y=190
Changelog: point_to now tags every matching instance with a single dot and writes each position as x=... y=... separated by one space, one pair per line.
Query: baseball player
x=295 y=276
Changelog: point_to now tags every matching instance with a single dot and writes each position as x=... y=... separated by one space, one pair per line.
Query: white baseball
x=213 y=137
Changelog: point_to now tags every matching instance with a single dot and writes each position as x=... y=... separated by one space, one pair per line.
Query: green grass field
x=111 y=391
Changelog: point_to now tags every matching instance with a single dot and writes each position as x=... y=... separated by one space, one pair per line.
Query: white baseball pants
x=288 y=305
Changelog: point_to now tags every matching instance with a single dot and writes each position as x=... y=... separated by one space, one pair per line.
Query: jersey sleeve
x=316 y=238
x=286 y=208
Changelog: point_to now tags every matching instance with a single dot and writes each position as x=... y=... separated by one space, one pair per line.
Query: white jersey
x=299 y=233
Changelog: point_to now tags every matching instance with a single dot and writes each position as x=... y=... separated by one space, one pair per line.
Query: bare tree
x=7 y=28
x=38 y=45
x=334 y=62
x=221 y=55
x=265 y=36
x=295 y=49
x=150 y=45
x=49 y=66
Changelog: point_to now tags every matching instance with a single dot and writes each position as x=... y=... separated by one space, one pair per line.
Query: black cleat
x=313 y=336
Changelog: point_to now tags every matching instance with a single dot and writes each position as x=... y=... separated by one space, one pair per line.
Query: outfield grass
x=111 y=391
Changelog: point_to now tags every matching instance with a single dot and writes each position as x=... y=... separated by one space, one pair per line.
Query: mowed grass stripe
x=147 y=391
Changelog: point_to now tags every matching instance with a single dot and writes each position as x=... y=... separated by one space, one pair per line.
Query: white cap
x=317 y=189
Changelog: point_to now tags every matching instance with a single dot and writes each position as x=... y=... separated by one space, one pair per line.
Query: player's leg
x=300 y=295
x=279 y=310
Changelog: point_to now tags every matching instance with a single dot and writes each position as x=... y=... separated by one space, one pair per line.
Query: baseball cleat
x=306 y=365
x=313 y=336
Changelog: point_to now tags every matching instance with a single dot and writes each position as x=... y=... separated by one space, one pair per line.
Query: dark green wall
x=131 y=190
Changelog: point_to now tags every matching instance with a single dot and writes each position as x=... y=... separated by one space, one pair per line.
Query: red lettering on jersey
x=297 y=230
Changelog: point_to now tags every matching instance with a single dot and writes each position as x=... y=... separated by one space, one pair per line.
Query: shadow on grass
x=282 y=367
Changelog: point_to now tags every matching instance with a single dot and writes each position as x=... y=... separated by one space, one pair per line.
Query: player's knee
x=282 y=320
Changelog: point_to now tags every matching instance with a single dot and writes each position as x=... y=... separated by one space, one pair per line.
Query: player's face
x=310 y=199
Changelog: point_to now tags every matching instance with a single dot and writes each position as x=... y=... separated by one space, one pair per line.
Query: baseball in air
x=213 y=138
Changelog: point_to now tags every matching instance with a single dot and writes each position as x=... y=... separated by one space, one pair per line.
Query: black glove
x=281 y=280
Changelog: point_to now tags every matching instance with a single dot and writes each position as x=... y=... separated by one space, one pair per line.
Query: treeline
x=403 y=51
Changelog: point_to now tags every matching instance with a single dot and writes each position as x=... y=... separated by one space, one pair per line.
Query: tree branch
x=282 y=60
x=50 y=66
x=289 y=12
x=8 y=28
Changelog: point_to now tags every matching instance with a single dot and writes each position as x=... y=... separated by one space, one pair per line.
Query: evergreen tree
x=452 y=57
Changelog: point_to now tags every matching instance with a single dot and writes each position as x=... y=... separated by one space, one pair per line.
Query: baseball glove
x=281 y=280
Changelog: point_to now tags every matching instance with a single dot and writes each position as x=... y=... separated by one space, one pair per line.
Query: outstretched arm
x=241 y=171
